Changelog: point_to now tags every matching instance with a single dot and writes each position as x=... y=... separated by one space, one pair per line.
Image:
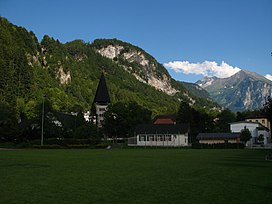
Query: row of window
x=263 y=121
x=162 y=138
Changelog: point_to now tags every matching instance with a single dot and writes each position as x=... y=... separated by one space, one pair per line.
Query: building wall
x=100 y=111
x=255 y=133
x=162 y=140
x=264 y=121
x=218 y=141
x=237 y=127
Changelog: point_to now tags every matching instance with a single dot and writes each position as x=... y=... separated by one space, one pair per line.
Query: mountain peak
x=243 y=90
x=206 y=81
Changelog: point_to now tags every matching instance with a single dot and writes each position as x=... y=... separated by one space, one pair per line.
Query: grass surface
x=135 y=176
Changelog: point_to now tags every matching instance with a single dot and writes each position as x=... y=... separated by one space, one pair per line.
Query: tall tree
x=267 y=108
x=245 y=135
x=225 y=117
x=199 y=122
x=122 y=118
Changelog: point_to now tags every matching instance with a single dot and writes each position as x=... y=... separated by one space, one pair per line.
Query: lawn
x=135 y=176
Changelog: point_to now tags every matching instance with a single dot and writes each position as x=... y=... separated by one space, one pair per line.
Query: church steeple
x=102 y=94
x=101 y=100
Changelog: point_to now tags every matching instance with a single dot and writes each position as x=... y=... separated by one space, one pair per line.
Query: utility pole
x=42 y=121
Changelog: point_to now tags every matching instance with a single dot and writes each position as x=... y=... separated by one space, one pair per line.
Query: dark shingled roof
x=102 y=94
x=219 y=135
x=162 y=129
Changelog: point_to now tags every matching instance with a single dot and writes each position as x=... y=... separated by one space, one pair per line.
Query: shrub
x=48 y=146
x=78 y=146
x=101 y=145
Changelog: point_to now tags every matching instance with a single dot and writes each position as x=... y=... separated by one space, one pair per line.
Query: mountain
x=243 y=90
x=147 y=70
x=67 y=74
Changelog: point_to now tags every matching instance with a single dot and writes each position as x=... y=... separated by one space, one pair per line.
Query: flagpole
x=42 y=121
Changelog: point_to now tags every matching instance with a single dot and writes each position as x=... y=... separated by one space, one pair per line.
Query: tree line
x=120 y=122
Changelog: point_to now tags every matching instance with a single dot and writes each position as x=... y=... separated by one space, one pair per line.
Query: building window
x=141 y=138
x=168 y=138
x=263 y=121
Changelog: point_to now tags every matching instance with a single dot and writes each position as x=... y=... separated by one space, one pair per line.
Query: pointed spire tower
x=101 y=100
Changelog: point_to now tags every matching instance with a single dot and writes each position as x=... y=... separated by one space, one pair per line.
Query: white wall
x=252 y=127
x=174 y=140
x=237 y=127
x=100 y=111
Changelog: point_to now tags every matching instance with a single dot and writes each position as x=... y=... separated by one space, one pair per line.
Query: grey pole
x=42 y=121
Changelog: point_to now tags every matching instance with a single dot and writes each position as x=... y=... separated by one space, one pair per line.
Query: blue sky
x=192 y=38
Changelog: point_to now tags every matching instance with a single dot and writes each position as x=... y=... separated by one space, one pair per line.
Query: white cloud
x=206 y=68
x=268 y=76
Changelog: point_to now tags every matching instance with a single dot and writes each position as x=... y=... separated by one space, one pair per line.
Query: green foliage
x=241 y=115
x=29 y=70
x=199 y=121
x=225 y=118
x=8 y=123
x=121 y=119
x=245 y=135
x=267 y=108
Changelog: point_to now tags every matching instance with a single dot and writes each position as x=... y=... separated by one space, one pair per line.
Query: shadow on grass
x=27 y=165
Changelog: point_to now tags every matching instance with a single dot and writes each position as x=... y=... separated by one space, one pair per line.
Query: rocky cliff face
x=244 y=90
x=143 y=67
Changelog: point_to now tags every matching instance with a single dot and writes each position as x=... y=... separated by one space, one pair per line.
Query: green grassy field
x=135 y=176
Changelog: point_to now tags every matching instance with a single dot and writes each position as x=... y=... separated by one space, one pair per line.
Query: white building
x=171 y=135
x=255 y=128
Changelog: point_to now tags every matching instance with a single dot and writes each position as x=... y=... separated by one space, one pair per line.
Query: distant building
x=217 y=138
x=171 y=135
x=101 y=100
x=263 y=120
x=256 y=129
x=165 y=119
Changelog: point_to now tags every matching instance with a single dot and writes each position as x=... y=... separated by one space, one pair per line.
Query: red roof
x=164 y=121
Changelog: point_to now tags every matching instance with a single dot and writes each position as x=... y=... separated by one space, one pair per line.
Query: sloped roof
x=162 y=129
x=238 y=122
x=219 y=135
x=165 y=119
x=102 y=94
x=256 y=117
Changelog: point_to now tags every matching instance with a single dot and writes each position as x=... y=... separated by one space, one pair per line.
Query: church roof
x=102 y=94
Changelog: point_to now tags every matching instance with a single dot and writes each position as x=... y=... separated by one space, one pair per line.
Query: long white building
x=171 y=135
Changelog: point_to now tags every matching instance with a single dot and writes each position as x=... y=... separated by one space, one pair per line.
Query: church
x=101 y=100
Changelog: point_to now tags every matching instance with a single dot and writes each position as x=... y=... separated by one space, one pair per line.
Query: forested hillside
x=67 y=75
